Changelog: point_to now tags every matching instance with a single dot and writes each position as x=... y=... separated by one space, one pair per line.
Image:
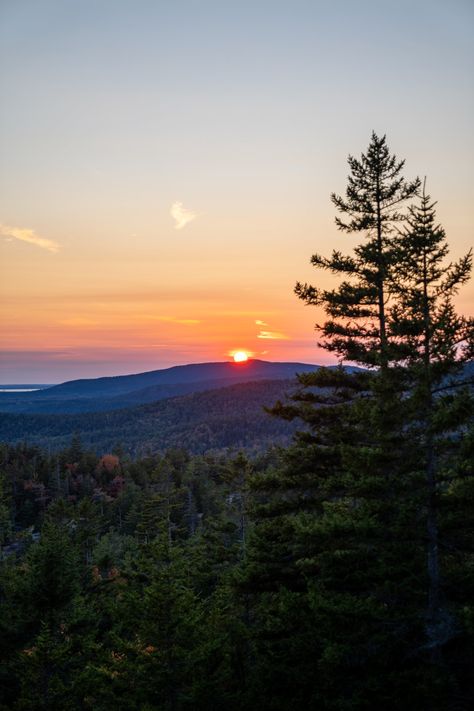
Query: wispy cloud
x=272 y=335
x=25 y=234
x=181 y=215
x=265 y=334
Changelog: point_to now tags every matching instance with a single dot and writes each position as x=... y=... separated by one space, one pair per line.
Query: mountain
x=229 y=417
x=199 y=413
x=113 y=393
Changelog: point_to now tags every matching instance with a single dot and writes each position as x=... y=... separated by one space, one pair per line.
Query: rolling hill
x=229 y=417
x=113 y=393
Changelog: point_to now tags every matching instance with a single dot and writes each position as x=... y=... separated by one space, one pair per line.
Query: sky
x=166 y=167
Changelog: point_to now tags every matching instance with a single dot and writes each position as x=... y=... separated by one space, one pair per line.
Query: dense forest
x=216 y=420
x=333 y=574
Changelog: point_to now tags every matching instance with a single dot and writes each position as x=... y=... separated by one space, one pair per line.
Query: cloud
x=26 y=235
x=181 y=215
x=272 y=335
x=269 y=335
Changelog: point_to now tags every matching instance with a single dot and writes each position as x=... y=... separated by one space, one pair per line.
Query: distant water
x=22 y=388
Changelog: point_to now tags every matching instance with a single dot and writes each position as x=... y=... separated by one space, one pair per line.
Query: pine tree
x=349 y=416
x=52 y=574
x=375 y=195
x=5 y=512
x=45 y=673
x=342 y=524
x=236 y=476
x=435 y=343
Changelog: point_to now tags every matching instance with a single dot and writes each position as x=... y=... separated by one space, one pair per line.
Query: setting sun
x=240 y=356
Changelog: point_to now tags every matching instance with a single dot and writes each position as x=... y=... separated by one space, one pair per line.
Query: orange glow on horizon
x=240 y=357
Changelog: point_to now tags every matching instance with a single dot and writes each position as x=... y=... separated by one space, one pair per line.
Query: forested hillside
x=215 y=420
x=113 y=393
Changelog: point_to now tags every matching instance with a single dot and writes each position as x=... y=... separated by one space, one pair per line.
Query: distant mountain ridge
x=116 y=392
x=199 y=415
x=191 y=373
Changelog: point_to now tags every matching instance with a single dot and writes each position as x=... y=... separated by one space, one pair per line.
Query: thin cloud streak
x=25 y=234
x=272 y=335
x=265 y=334
x=181 y=215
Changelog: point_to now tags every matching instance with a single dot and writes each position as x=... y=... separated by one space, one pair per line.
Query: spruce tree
x=435 y=343
x=375 y=195
x=347 y=520
x=349 y=416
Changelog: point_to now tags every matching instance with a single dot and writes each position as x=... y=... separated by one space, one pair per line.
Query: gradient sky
x=231 y=120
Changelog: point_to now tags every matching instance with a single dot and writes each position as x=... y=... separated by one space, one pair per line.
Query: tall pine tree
x=375 y=195
x=351 y=516
x=435 y=343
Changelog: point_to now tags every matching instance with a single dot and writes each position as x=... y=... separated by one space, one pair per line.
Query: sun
x=240 y=357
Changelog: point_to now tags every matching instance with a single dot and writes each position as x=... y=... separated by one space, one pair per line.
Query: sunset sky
x=166 y=167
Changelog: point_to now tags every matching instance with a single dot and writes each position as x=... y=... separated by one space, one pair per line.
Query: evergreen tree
x=435 y=342
x=376 y=192
x=343 y=523
x=5 y=513
x=46 y=671
x=52 y=575
x=236 y=476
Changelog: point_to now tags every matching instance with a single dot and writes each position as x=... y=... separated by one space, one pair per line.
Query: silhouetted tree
x=347 y=520
x=375 y=194
x=435 y=342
